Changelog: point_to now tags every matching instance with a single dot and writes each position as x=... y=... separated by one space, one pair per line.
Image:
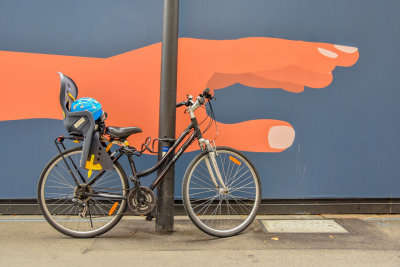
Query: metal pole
x=165 y=191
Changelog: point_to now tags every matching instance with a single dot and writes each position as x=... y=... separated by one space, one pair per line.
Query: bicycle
x=221 y=188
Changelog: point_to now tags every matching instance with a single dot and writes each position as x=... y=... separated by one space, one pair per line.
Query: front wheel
x=217 y=211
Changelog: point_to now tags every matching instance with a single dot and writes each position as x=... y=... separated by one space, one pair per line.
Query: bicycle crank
x=143 y=205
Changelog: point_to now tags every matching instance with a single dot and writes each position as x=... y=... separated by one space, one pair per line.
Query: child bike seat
x=81 y=123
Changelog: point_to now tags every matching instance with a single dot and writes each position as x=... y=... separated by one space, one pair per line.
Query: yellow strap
x=71 y=96
x=90 y=166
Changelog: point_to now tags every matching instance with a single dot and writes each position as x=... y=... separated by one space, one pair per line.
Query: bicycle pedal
x=149 y=217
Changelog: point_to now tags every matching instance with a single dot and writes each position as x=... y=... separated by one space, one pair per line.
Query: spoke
x=214 y=211
x=60 y=204
x=106 y=182
x=234 y=180
x=63 y=168
x=62 y=212
x=244 y=186
x=57 y=194
x=200 y=199
x=113 y=188
x=205 y=169
x=55 y=186
x=243 y=191
x=228 y=168
x=202 y=188
x=104 y=212
x=223 y=167
x=202 y=192
x=239 y=168
x=61 y=176
x=55 y=203
x=244 y=198
x=104 y=176
x=204 y=203
x=71 y=209
x=244 y=180
x=230 y=206
x=241 y=205
x=59 y=182
x=211 y=200
x=202 y=182
x=207 y=176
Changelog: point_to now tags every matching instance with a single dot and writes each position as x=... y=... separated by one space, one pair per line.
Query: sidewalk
x=372 y=240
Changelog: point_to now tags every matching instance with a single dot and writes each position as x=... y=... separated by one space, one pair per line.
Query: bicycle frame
x=196 y=134
x=129 y=151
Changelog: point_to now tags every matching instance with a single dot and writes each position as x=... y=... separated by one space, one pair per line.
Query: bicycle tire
x=62 y=209
x=203 y=202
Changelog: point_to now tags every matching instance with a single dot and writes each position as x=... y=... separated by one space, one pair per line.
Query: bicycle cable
x=211 y=120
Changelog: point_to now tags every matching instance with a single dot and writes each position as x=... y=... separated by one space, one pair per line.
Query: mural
x=129 y=83
x=287 y=76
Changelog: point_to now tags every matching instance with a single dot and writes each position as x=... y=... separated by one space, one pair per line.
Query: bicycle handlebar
x=205 y=95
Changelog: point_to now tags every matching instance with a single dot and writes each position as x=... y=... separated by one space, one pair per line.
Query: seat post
x=133 y=169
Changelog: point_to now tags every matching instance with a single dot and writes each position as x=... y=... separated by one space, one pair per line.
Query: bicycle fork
x=212 y=167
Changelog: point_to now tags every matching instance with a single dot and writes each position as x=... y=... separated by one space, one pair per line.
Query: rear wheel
x=69 y=209
x=217 y=211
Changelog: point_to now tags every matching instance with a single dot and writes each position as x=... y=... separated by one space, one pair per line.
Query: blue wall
x=347 y=135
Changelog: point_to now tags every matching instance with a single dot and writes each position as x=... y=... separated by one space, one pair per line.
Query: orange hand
x=128 y=84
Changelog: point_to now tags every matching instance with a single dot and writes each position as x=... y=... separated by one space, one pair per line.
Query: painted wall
x=318 y=120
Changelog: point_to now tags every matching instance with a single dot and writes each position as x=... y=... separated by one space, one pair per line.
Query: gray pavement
x=371 y=241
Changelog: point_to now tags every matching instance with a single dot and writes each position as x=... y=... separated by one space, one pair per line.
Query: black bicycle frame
x=196 y=134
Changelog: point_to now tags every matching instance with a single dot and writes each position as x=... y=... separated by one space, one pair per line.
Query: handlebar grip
x=206 y=93
x=180 y=104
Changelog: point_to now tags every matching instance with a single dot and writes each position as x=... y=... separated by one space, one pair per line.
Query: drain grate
x=302 y=226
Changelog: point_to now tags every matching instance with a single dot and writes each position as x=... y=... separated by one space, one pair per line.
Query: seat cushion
x=122 y=132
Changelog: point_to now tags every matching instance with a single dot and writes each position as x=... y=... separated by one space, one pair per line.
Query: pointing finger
x=222 y=80
x=256 y=54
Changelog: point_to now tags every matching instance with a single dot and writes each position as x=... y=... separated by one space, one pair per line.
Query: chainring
x=148 y=204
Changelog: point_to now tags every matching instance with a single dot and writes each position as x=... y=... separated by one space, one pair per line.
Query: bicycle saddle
x=122 y=132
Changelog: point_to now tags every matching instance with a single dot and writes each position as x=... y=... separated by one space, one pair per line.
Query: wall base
x=268 y=206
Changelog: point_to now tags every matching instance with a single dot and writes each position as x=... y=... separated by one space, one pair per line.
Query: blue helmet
x=89 y=104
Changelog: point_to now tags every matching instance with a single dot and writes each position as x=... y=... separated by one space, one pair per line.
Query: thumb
x=254 y=136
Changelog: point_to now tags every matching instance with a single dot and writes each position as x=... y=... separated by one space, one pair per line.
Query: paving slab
x=303 y=226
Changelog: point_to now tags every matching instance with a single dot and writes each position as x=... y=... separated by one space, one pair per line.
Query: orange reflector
x=109 y=147
x=113 y=208
x=235 y=160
